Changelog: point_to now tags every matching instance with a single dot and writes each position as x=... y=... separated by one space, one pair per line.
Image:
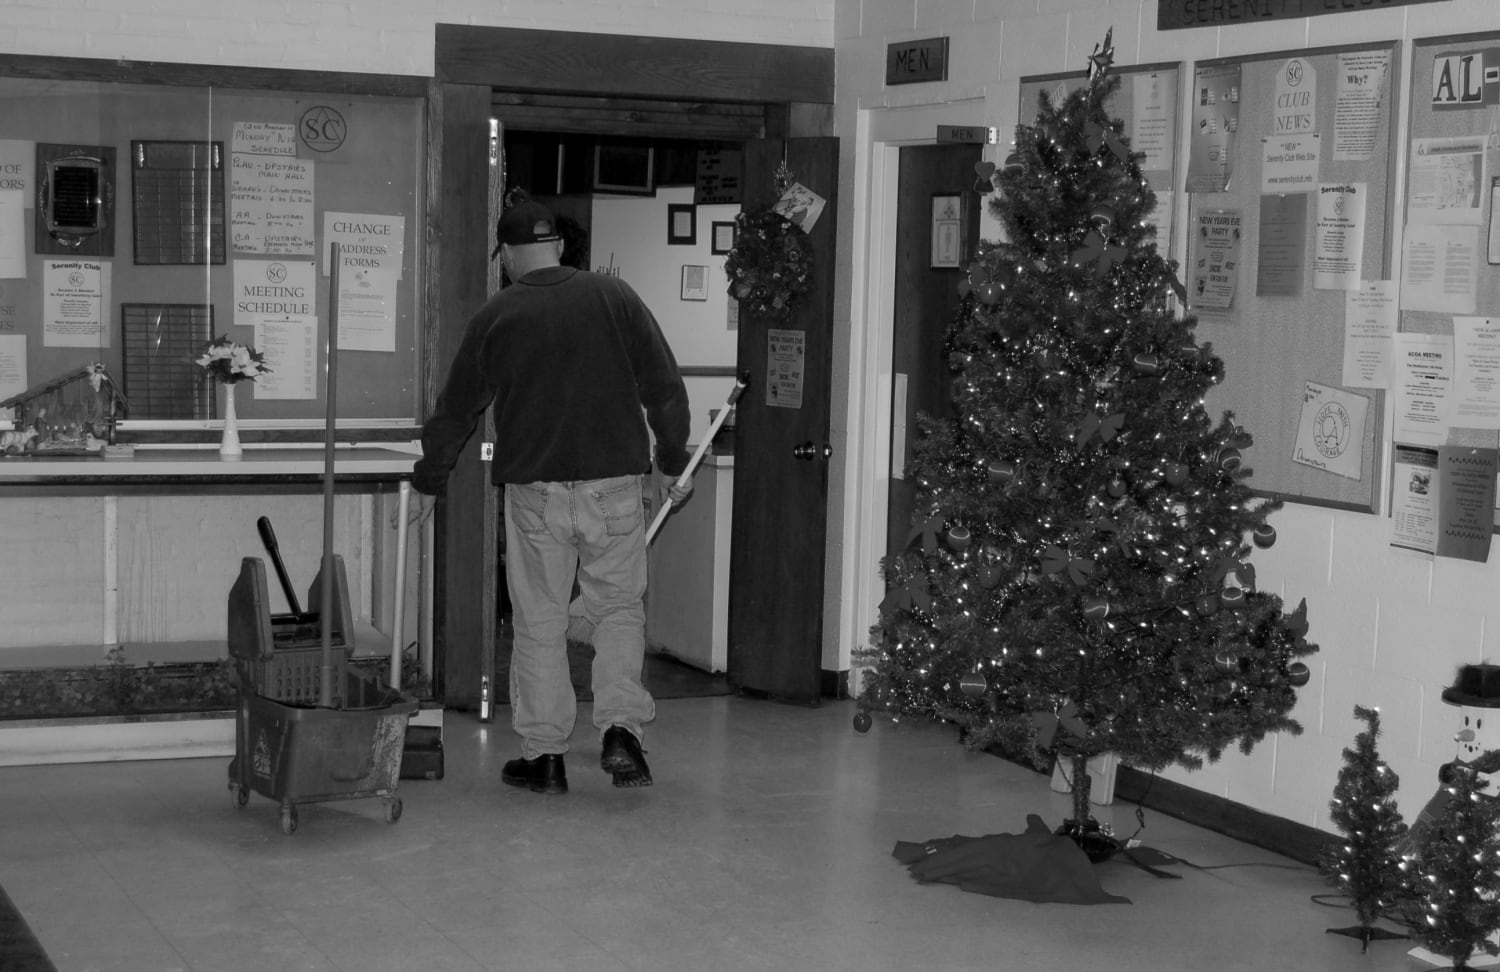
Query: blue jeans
x=596 y=531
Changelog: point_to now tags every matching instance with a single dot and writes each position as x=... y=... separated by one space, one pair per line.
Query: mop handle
x=687 y=472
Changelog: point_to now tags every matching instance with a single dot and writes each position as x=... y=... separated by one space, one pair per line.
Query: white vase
x=229 y=445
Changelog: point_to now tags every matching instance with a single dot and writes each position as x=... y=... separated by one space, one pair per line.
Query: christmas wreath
x=770 y=264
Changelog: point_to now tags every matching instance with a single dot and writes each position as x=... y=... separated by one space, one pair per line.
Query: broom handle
x=326 y=611
x=687 y=473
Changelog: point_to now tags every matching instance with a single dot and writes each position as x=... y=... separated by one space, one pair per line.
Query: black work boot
x=623 y=758
x=544 y=774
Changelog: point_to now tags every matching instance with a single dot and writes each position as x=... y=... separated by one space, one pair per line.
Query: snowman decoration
x=1476 y=693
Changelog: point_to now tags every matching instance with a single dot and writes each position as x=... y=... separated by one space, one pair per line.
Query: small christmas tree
x=1366 y=864
x=1076 y=579
x=1452 y=873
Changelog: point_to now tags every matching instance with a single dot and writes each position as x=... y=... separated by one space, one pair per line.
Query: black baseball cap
x=525 y=222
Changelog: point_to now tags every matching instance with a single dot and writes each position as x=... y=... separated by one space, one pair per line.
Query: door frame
x=881 y=133
x=471 y=63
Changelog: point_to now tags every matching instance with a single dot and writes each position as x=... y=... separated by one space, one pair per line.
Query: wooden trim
x=574 y=115
x=209 y=75
x=707 y=371
x=1222 y=815
x=515 y=59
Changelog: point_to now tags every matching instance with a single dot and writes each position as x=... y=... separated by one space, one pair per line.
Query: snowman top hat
x=1477 y=686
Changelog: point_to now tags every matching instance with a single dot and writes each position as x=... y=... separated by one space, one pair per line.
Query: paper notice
x=1369 y=324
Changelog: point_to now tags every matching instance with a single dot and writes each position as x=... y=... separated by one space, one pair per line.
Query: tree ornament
x=1002 y=471
x=862 y=721
x=1232 y=597
x=1264 y=535
x=1013 y=165
x=1207 y=604
x=1298 y=674
x=1095 y=608
x=1227 y=662
x=959 y=538
x=1116 y=487
x=1229 y=458
x=1174 y=472
x=1146 y=364
x=989 y=293
x=985 y=183
x=974 y=684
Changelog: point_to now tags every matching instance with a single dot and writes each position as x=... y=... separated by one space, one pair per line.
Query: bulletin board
x=222 y=203
x=1453 y=177
x=1147 y=102
x=1290 y=186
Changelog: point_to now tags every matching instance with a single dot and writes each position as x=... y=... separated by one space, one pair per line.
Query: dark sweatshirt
x=569 y=359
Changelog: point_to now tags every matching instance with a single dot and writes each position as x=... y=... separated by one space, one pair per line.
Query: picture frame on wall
x=625 y=169
x=722 y=239
x=682 y=224
x=947 y=231
x=694 y=282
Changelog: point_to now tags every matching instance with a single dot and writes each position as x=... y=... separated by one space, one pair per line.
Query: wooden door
x=781 y=453
x=926 y=298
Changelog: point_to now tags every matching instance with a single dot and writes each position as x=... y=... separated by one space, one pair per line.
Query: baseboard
x=1221 y=815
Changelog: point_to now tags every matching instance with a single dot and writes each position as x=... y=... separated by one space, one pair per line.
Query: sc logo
x=322 y=128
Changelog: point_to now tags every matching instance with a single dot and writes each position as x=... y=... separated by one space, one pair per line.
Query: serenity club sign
x=1178 y=14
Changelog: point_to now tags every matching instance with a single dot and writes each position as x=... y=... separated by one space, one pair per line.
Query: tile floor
x=765 y=844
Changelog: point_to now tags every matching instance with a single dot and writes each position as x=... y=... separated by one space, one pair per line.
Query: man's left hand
x=678 y=494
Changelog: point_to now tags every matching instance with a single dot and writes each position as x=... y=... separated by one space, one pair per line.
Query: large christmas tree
x=1076 y=579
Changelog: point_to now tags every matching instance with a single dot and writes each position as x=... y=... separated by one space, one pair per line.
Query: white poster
x=1361 y=93
x=1439 y=267
x=1216 y=259
x=1150 y=127
x=12 y=369
x=367 y=307
x=12 y=234
x=367 y=241
x=1289 y=163
x=274 y=288
x=1414 y=485
x=74 y=302
x=1295 y=110
x=271 y=201
x=1331 y=430
x=1447 y=180
x=1476 y=373
x=290 y=347
x=1369 y=324
x=1339 y=236
x=1423 y=386
x=786 y=355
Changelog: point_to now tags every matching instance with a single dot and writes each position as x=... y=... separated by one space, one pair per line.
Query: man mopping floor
x=575 y=368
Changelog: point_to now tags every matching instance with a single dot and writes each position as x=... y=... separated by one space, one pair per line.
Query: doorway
x=576 y=82
x=935 y=187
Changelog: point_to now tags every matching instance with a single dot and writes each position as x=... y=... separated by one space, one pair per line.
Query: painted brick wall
x=1392 y=628
x=378 y=36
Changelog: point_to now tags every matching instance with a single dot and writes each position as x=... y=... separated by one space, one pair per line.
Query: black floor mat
x=19 y=949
